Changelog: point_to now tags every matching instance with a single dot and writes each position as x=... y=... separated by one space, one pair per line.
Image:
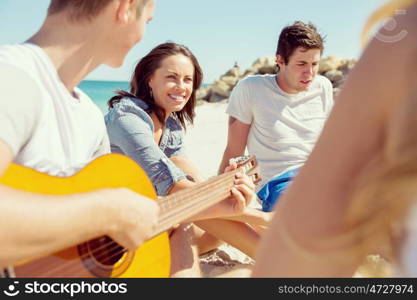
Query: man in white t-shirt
x=279 y=117
x=47 y=124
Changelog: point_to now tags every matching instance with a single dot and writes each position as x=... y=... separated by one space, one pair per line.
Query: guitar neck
x=188 y=202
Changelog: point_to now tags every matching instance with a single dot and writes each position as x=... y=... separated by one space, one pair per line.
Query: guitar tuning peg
x=256 y=178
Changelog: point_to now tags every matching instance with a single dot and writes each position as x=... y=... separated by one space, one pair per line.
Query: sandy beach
x=205 y=143
x=206 y=140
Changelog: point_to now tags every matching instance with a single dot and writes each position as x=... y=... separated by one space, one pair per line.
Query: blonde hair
x=384 y=12
x=385 y=191
x=381 y=200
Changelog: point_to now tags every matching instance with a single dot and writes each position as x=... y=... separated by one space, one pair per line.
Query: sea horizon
x=100 y=91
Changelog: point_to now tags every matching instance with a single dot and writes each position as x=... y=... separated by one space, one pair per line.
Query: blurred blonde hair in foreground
x=382 y=198
x=384 y=12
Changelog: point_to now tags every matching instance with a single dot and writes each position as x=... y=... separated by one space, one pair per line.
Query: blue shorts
x=273 y=189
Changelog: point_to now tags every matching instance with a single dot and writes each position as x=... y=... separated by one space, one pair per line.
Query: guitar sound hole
x=105 y=251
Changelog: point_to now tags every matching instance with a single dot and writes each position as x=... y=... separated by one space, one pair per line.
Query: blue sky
x=219 y=32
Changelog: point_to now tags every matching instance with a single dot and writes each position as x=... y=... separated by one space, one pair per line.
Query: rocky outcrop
x=334 y=68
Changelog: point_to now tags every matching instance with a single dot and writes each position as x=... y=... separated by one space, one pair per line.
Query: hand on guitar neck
x=239 y=185
x=242 y=193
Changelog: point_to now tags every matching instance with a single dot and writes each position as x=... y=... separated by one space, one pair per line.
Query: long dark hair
x=144 y=70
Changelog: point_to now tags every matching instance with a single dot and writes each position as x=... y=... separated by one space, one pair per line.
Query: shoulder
x=18 y=87
x=20 y=56
x=256 y=80
x=129 y=106
x=14 y=54
x=15 y=58
x=18 y=70
x=131 y=109
x=252 y=84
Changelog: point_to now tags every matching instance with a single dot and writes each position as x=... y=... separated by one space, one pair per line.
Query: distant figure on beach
x=48 y=124
x=279 y=117
x=147 y=124
x=357 y=193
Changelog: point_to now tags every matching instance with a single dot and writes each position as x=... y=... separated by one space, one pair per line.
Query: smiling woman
x=147 y=125
x=172 y=83
x=160 y=65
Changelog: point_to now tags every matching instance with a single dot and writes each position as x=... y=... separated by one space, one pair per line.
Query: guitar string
x=113 y=244
x=201 y=193
x=73 y=265
x=190 y=208
x=177 y=200
x=211 y=185
x=173 y=200
x=246 y=168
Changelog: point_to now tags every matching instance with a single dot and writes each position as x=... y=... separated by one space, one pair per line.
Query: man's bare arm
x=236 y=141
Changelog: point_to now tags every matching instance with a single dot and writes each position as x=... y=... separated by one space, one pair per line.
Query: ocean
x=101 y=91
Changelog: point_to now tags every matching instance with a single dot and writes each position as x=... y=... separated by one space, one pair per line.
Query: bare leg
x=237 y=234
x=205 y=241
x=184 y=252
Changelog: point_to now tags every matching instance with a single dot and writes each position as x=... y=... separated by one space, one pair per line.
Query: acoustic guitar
x=102 y=257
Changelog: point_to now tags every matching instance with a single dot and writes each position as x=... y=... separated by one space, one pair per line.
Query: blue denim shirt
x=131 y=129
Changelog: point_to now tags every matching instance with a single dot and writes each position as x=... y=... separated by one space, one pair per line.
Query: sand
x=205 y=143
x=206 y=140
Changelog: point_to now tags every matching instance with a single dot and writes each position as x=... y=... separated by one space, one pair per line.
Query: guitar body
x=100 y=257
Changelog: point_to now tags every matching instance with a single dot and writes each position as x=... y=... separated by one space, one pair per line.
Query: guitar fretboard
x=188 y=202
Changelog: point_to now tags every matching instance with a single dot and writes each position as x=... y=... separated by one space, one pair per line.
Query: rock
x=264 y=65
x=233 y=72
x=221 y=88
x=267 y=70
x=339 y=83
x=216 y=98
x=229 y=80
x=336 y=92
x=334 y=75
x=248 y=72
x=347 y=65
x=219 y=91
x=329 y=63
x=203 y=93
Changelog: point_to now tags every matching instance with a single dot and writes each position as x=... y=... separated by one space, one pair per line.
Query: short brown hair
x=139 y=87
x=298 y=35
x=84 y=9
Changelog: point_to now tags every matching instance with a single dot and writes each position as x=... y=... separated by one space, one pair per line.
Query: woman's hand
x=244 y=186
x=243 y=193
